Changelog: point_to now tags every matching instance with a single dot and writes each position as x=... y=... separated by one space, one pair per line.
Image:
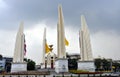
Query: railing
x=63 y=75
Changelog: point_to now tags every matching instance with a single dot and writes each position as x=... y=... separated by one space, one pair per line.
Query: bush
x=30 y=64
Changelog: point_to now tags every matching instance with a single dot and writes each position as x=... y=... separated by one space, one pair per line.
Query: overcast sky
x=102 y=17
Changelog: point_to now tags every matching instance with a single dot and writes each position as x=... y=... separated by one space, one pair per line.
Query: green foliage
x=98 y=63
x=30 y=64
x=116 y=66
x=106 y=65
x=103 y=64
x=72 y=64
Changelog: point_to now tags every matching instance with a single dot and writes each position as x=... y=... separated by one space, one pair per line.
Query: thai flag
x=24 y=46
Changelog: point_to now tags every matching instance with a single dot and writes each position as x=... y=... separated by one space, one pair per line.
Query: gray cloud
x=99 y=14
x=106 y=44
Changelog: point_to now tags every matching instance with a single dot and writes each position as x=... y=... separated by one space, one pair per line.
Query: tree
x=103 y=64
x=72 y=64
x=106 y=64
x=1 y=57
x=98 y=63
x=72 y=61
x=116 y=66
x=30 y=64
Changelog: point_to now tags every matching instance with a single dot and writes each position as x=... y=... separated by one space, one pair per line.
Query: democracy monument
x=86 y=62
x=49 y=59
x=18 y=63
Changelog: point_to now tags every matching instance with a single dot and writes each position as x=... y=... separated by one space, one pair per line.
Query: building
x=50 y=60
x=5 y=63
x=8 y=61
x=2 y=65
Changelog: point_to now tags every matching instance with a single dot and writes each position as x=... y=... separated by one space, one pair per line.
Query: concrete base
x=18 y=67
x=86 y=65
x=61 y=65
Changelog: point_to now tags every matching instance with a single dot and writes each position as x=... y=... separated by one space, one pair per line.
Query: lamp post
x=45 y=62
x=111 y=65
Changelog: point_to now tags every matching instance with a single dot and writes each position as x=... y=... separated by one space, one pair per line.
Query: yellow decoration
x=47 y=49
x=66 y=42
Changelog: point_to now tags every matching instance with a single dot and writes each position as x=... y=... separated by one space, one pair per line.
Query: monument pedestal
x=86 y=65
x=19 y=66
x=61 y=65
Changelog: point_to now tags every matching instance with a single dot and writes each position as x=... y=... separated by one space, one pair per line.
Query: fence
x=63 y=75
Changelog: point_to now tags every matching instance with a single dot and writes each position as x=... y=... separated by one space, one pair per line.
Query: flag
x=47 y=49
x=79 y=40
x=66 y=42
x=24 y=46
